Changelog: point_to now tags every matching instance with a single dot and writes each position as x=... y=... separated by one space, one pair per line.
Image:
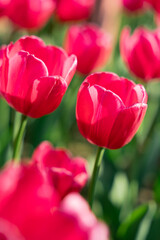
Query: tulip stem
x=19 y=139
x=94 y=176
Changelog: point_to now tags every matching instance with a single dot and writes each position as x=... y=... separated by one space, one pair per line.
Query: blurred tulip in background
x=141 y=52
x=73 y=10
x=30 y=14
x=90 y=44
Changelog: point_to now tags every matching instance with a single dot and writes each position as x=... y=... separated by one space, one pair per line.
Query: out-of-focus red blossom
x=73 y=10
x=133 y=5
x=30 y=209
x=78 y=221
x=110 y=109
x=67 y=174
x=30 y=14
x=141 y=52
x=3 y=6
x=26 y=200
x=90 y=44
x=34 y=77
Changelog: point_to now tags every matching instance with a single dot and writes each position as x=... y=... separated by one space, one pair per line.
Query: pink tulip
x=110 y=109
x=30 y=209
x=67 y=174
x=73 y=10
x=78 y=221
x=34 y=76
x=90 y=44
x=133 y=5
x=26 y=201
x=141 y=52
x=30 y=14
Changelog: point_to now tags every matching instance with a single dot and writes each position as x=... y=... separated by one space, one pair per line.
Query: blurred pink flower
x=30 y=14
x=141 y=52
x=90 y=44
x=26 y=200
x=78 y=222
x=73 y=10
x=67 y=174
x=30 y=209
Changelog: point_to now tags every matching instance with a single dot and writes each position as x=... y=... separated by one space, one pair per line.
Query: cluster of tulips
x=39 y=198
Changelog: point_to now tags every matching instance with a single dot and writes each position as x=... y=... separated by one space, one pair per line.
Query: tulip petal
x=62 y=180
x=53 y=88
x=111 y=81
x=47 y=156
x=126 y=125
x=53 y=57
x=31 y=44
x=22 y=70
x=9 y=231
x=69 y=68
x=67 y=174
x=97 y=111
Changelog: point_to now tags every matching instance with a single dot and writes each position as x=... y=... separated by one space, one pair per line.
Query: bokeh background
x=128 y=189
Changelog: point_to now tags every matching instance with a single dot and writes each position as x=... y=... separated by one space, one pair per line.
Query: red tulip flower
x=133 y=5
x=110 y=109
x=30 y=209
x=67 y=174
x=26 y=200
x=90 y=44
x=73 y=10
x=34 y=76
x=30 y=14
x=141 y=52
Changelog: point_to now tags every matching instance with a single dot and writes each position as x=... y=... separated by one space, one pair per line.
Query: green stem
x=94 y=177
x=19 y=139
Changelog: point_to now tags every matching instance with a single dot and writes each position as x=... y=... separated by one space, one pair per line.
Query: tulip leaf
x=128 y=229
